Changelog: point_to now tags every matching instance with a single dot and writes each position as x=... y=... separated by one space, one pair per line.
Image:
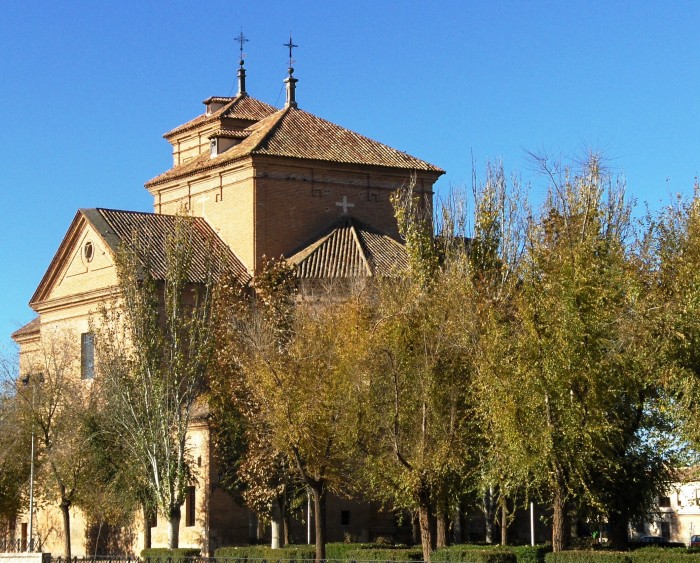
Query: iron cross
x=291 y=46
x=241 y=40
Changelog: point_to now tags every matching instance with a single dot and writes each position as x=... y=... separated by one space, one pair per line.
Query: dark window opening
x=665 y=528
x=153 y=519
x=87 y=355
x=189 y=507
x=23 y=537
x=344 y=517
x=665 y=502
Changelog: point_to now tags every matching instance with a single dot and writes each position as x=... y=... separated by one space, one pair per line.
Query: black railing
x=20 y=545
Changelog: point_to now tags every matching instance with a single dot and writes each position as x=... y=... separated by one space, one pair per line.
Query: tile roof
x=295 y=133
x=240 y=107
x=32 y=327
x=350 y=249
x=153 y=231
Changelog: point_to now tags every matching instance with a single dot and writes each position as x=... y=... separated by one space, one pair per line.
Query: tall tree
x=54 y=404
x=577 y=300
x=155 y=346
x=299 y=371
x=421 y=445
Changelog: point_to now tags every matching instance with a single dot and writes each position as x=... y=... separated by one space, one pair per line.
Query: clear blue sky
x=88 y=88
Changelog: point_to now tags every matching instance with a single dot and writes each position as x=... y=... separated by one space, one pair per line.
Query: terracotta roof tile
x=32 y=327
x=350 y=249
x=234 y=133
x=240 y=107
x=296 y=133
x=300 y=134
x=153 y=231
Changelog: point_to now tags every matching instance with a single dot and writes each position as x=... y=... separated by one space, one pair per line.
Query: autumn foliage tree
x=155 y=346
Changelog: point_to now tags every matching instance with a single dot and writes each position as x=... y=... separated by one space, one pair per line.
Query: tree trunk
x=559 y=528
x=504 y=519
x=174 y=527
x=488 y=508
x=146 y=526
x=617 y=526
x=457 y=526
x=415 y=528
x=424 y=521
x=441 y=528
x=65 y=506
x=276 y=525
x=319 y=493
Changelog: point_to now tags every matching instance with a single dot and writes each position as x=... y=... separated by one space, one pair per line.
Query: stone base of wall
x=25 y=557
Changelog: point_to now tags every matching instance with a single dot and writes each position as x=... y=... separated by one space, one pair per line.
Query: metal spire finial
x=291 y=46
x=241 y=71
x=241 y=40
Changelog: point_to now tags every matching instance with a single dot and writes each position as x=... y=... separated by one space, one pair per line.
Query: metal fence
x=20 y=545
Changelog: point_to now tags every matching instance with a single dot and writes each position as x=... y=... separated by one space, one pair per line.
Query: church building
x=263 y=182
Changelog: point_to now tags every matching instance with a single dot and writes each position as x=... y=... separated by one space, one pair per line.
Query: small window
x=153 y=519
x=88 y=251
x=189 y=507
x=344 y=517
x=665 y=529
x=665 y=502
x=87 y=355
x=213 y=149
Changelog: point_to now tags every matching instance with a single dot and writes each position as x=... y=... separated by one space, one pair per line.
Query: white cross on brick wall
x=344 y=204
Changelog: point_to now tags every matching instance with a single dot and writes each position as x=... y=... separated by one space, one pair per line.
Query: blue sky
x=87 y=89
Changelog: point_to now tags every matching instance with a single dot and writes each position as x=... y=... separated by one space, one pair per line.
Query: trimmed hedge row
x=643 y=555
x=175 y=555
x=287 y=553
x=400 y=554
x=471 y=555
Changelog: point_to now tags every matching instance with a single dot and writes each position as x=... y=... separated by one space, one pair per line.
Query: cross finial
x=291 y=46
x=241 y=40
x=241 y=71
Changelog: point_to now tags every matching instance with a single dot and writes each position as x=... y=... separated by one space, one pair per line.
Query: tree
x=54 y=403
x=299 y=373
x=15 y=448
x=421 y=434
x=155 y=345
x=577 y=307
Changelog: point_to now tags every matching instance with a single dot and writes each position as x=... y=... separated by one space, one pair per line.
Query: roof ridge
x=271 y=128
x=363 y=250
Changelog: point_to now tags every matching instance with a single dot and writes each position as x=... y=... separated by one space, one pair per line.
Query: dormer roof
x=241 y=107
x=350 y=249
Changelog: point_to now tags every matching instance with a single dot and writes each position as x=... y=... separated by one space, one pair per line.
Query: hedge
x=530 y=553
x=286 y=553
x=466 y=554
x=588 y=557
x=384 y=554
x=339 y=550
x=163 y=553
x=665 y=554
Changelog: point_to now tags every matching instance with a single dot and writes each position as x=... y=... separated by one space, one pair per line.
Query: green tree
x=577 y=305
x=299 y=370
x=54 y=404
x=155 y=346
x=422 y=435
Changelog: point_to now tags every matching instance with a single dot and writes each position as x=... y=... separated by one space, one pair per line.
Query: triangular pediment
x=82 y=266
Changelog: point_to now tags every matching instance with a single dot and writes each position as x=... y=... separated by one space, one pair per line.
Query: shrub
x=667 y=555
x=287 y=553
x=153 y=554
x=375 y=554
x=588 y=557
x=340 y=550
x=474 y=554
x=531 y=554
